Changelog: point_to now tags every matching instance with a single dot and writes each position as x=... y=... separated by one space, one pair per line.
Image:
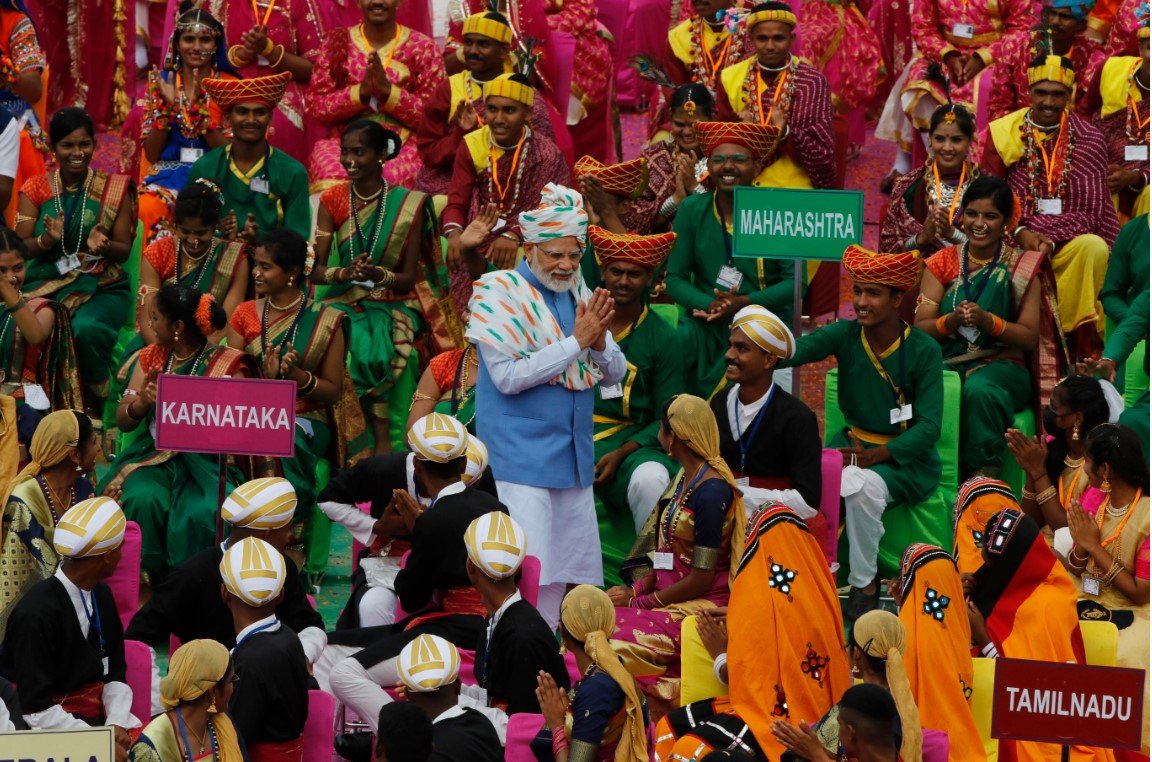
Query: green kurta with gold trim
x=866 y=398
x=284 y=205
x=701 y=249
x=654 y=375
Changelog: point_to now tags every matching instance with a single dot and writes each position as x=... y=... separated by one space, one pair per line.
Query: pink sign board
x=230 y=416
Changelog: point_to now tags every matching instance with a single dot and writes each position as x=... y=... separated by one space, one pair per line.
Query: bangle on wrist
x=269 y=46
x=280 y=59
x=718 y=665
x=1045 y=495
x=942 y=325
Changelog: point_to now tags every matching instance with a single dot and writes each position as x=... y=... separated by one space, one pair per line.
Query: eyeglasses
x=735 y=158
x=560 y=256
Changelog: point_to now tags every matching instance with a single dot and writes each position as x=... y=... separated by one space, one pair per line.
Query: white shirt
x=747 y=413
x=262 y=625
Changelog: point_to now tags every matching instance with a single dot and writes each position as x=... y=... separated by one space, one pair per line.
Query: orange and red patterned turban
x=760 y=139
x=228 y=93
x=900 y=271
x=628 y=179
x=648 y=251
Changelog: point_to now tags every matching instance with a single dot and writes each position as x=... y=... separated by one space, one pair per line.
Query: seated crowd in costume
x=593 y=516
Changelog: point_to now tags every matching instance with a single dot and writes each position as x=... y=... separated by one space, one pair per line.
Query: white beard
x=548 y=281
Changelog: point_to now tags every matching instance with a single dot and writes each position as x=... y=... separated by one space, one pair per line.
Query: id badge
x=500 y=225
x=1091 y=586
x=900 y=414
x=36 y=398
x=615 y=391
x=67 y=264
x=969 y=333
x=1050 y=206
x=729 y=278
x=104 y=662
x=662 y=561
x=259 y=185
x=1136 y=153
x=743 y=482
x=963 y=31
x=190 y=155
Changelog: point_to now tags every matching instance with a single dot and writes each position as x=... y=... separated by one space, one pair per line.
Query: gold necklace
x=1071 y=462
x=288 y=308
x=178 y=360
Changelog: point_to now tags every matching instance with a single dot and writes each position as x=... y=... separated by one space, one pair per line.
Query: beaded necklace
x=754 y=87
x=498 y=190
x=679 y=496
x=472 y=99
x=1135 y=128
x=1043 y=166
x=199 y=264
x=173 y=361
x=1114 y=543
x=53 y=508
x=56 y=196
x=381 y=198
x=289 y=336
x=706 y=66
x=194 y=118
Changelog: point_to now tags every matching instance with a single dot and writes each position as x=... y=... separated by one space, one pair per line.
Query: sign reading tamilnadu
x=74 y=744
x=1068 y=703
x=227 y=416
x=793 y=223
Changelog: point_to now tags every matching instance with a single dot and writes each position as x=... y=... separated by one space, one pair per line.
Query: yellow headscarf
x=193 y=671
x=881 y=635
x=693 y=423
x=589 y=617
x=56 y=435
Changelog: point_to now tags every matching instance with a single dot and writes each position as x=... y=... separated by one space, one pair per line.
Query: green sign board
x=793 y=223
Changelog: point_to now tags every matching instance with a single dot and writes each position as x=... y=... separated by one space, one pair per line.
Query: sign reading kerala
x=1068 y=703
x=232 y=416
x=73 y=745
x=794 y=223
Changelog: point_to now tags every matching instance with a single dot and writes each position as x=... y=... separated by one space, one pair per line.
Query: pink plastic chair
x=319 y=728
x=125 y=582
x=825 y=525
x=173 y=645
x=522 y=728
x=138 y=658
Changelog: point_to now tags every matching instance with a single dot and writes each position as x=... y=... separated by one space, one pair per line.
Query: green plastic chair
x=670 y=312
x=131 y=267
x=1135 y=375
x=927 y=521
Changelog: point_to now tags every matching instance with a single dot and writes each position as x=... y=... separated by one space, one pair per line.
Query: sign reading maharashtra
x=1068 y=703
x=793 y=223
x=73 y=745
x=228 y=416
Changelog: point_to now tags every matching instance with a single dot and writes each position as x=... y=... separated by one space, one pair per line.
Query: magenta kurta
x=415 y=69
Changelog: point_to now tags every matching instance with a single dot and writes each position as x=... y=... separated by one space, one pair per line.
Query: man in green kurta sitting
x=891 y=392
x=632 y=469
x=263 y=188
x=703 y=277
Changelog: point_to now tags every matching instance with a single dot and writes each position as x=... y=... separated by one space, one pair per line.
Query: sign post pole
x=221 y=488
x=799 y=276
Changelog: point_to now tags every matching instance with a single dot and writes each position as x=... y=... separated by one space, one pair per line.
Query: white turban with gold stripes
x=428 y=663
x=253 y=571
x=477 y=459
x=267 y=503
x=438 y=437
x=496 y=544
x=766 y=330
x=92 y=527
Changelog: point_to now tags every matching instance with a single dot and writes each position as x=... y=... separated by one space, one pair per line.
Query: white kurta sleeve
x=314 y=640
x=513 y=375
x=118 y=706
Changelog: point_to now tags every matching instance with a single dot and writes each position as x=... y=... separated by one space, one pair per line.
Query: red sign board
x=230 y=416
x=1068 y=703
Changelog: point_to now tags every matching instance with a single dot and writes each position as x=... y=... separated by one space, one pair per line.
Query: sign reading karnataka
x=230 y=416
x=1068 y=703
x=74 y=745
x=793 y=223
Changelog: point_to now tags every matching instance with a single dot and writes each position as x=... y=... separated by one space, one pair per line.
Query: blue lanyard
x=258 y=630
x=678 y=500
x=184 y=735
x=744 y=441
x=94 y=619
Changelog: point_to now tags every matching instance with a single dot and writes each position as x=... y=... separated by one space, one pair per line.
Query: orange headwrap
x=648 y=251
x=977 y=500
x=900 y=271
x=267 y=91
x=628 y=179
x=760 y=139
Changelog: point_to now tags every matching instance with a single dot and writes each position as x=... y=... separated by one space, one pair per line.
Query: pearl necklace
x=56 y=196
x=287 y=308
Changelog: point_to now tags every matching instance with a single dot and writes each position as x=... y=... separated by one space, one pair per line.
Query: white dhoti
x=645 y=488
x=865 y=498
x=562 y=533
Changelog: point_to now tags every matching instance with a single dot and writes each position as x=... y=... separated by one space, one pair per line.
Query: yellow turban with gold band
x=489 y=24
x=438 y=437
x=267 y=503
x=496 y=544
x=1053 y=69
x=766 y=330
x=253 y=571
x=92 y=527
x=778 y=12
x=513 y=86
x=428 y=664
x=477 y=459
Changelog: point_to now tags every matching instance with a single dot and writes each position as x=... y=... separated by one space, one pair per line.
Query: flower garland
x=497 y=190
x=781 y=98
x=1043 y=166
x=195 y=117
